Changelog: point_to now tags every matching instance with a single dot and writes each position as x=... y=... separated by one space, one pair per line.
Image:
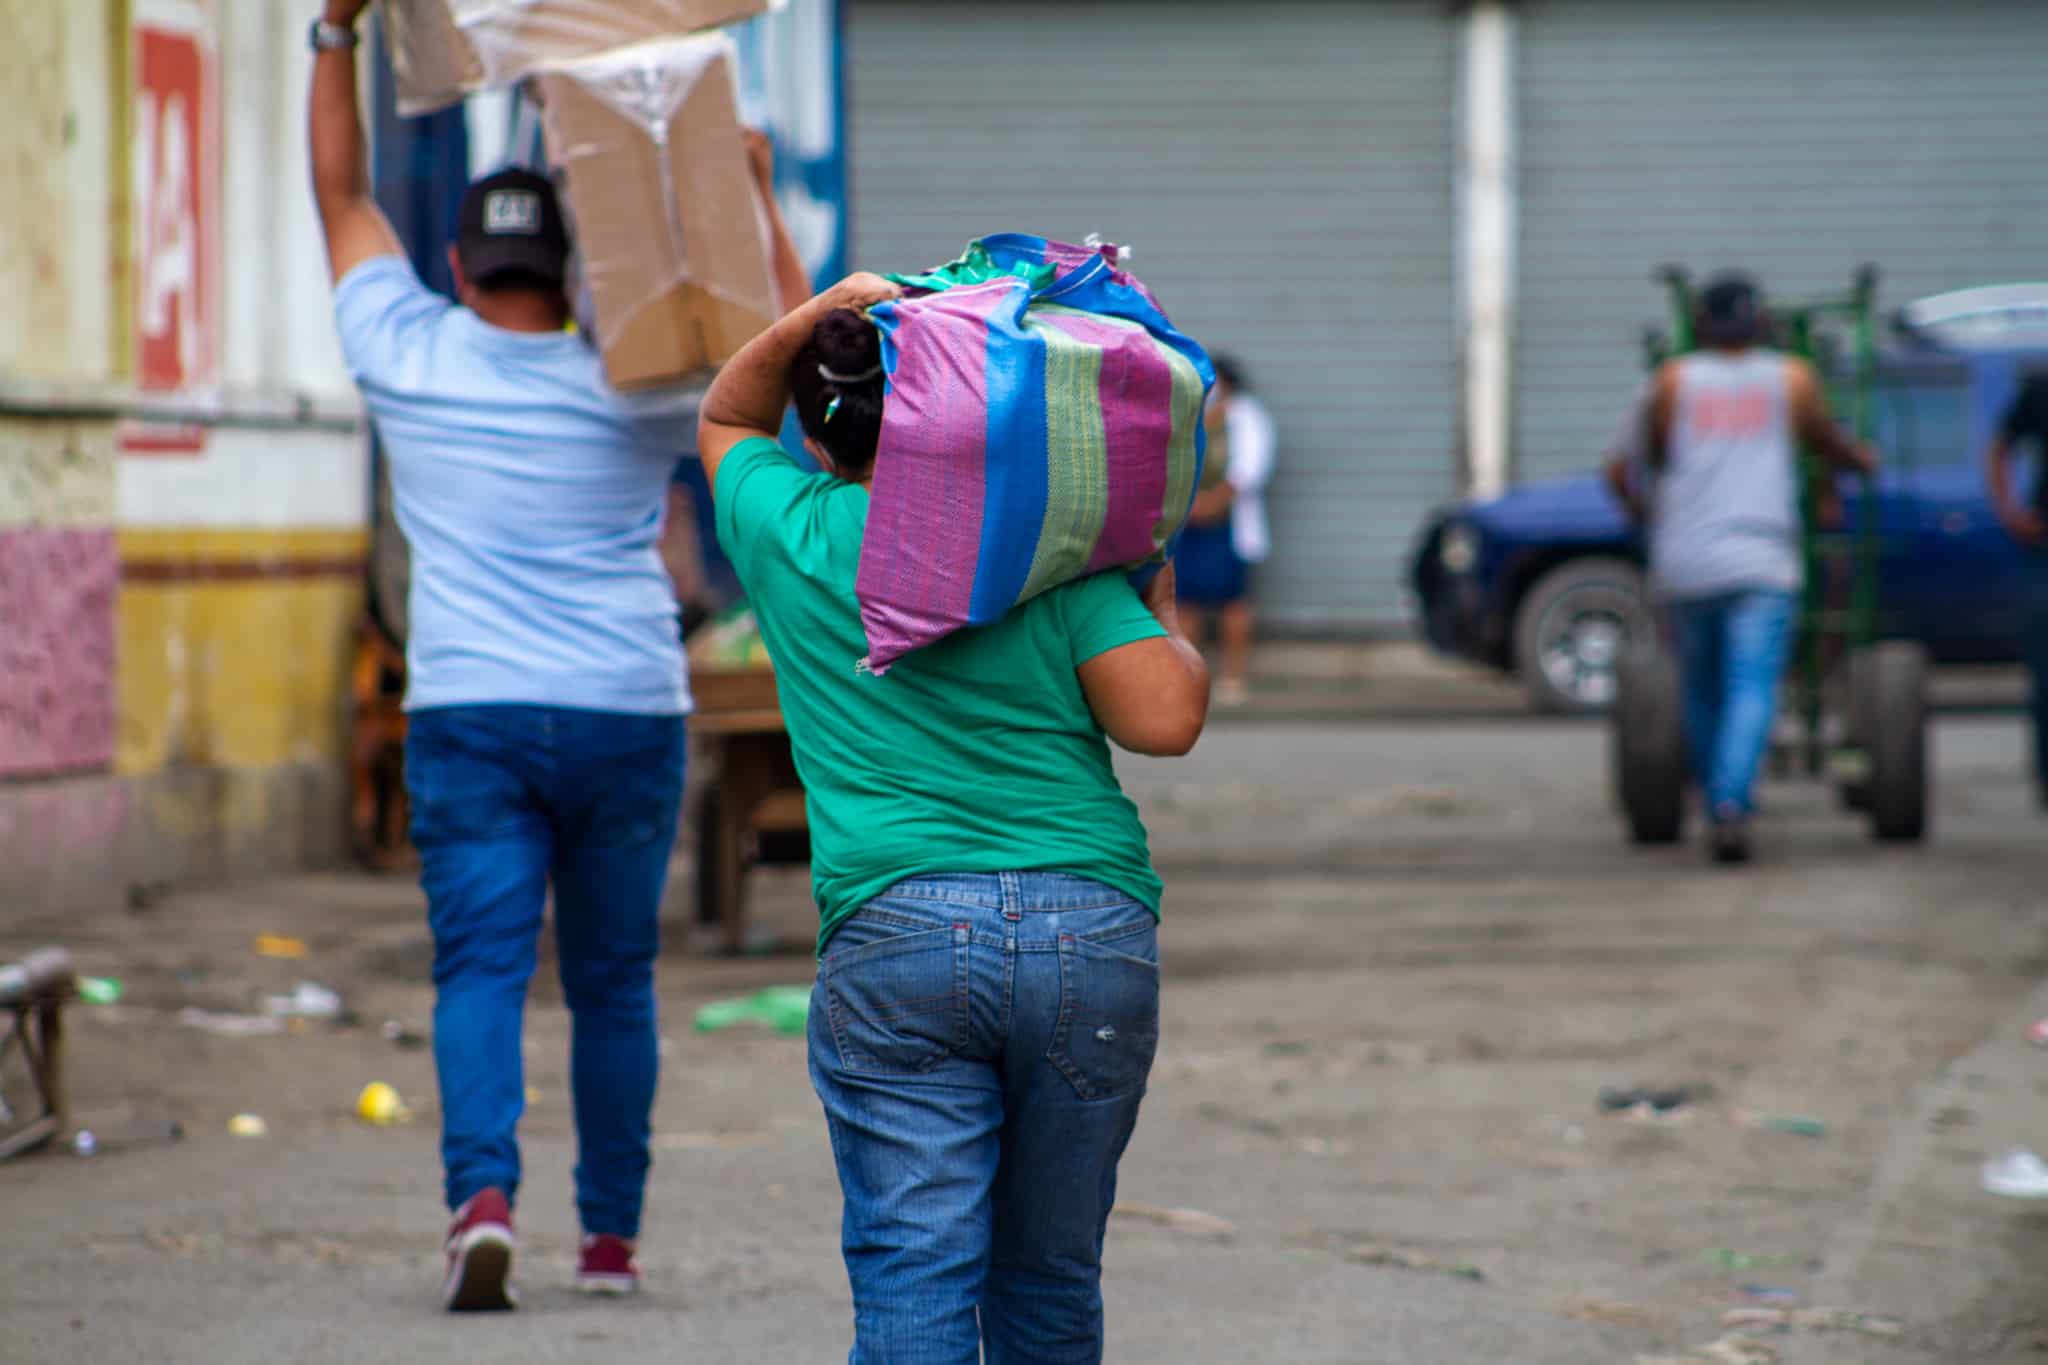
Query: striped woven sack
x=1043 y=422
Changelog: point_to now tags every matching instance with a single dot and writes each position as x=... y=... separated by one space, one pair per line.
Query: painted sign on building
x=174 y=161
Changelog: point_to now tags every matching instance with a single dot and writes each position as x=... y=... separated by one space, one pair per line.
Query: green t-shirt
x=975 y=754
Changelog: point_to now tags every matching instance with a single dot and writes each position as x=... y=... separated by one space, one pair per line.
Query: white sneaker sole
x=2011 y=1188
x=607 y=1286
x=480 y=1280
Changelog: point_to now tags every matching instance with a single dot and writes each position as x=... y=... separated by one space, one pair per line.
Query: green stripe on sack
x=1187 y=399
x=1180 y=445
x=1077 y=459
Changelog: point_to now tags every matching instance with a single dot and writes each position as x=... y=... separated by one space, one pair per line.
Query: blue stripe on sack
x=1014 y=498
x=883 y=315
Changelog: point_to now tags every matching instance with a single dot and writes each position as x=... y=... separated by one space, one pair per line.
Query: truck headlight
x=1458 y=549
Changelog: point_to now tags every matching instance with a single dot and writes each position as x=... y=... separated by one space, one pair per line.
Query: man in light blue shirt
x=546 y=682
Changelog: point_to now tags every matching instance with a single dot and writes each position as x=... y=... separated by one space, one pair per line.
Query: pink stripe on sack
x=1136 y=393
x=915 y=585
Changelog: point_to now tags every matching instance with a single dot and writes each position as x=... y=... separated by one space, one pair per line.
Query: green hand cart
x=1855 y=700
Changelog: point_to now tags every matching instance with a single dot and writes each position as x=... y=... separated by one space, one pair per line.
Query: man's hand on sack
x=343 y=13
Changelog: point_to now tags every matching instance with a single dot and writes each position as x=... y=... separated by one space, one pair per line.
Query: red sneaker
x=606 y=1266
x=480 y=1256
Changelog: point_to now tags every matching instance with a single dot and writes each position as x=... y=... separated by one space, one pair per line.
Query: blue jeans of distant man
x=1731 y=655
x=505 y=801
x=981 y=1044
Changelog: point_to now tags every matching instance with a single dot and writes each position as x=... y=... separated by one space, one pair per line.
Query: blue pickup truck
x=1546 y=582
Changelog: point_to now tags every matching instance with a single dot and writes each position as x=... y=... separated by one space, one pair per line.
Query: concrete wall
x=177 y=599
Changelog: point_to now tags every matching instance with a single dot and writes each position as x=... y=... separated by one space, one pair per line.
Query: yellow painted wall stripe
x=235 y=645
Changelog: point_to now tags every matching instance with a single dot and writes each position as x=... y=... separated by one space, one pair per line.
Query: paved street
x=1402 y=960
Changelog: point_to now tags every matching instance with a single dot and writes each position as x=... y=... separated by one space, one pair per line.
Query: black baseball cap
x=1731 y=310
x=510 y=220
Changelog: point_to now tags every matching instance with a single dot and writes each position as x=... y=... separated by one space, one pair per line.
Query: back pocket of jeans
x=897 y=1005
x=1109 y=1016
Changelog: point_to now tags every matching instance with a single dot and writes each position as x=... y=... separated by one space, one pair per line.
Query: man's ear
x=455 y=271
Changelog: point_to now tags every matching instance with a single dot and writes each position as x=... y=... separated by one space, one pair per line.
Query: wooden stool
x=32 y=996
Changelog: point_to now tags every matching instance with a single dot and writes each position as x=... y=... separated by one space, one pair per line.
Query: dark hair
x=846 y=345
x=1730 y=311
x=1231 y=371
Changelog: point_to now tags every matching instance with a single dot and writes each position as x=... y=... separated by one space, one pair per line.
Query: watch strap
x=326 y=37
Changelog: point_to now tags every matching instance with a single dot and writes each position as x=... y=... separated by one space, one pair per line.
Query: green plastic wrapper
x=99 y=990
x=976 y=266
x=783 y=1008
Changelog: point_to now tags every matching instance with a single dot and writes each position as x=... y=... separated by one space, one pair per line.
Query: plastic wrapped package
x=1043 y=422
x=443 y=49
x=669 y=227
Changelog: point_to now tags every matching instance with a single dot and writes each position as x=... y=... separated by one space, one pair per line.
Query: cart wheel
x=1649 y=745
x=1857 y=732
x=1854 y=797
x=710 y=848
x=1889 y=682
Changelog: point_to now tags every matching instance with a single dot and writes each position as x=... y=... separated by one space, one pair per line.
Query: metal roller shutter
x=1793 y=141
x=1283 y=171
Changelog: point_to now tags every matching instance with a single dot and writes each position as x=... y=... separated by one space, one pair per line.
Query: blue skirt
x=1210 y=573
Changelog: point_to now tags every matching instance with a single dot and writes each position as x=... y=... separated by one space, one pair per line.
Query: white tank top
x=1727 y=500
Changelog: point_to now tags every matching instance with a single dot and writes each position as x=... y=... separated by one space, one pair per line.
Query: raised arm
x=1151 y=696
x=1816 y=426
x=792 y=281
x=752 y=389
x=355 y=227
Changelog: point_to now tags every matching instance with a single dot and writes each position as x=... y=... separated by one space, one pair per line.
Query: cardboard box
x=662 y=205
x=443 y=49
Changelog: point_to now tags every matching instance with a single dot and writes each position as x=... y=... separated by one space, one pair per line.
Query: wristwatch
x=326 y=37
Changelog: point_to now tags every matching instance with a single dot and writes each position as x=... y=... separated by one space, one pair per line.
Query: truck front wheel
x=1571 y=630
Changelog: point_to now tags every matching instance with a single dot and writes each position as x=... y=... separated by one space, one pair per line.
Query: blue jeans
x=1731 y=654
x=981 y=1044
x=506 y=800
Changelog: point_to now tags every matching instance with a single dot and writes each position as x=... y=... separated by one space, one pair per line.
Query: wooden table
x=752 y=812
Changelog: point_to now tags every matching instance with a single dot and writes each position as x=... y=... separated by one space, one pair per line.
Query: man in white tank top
x=1723 y=427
